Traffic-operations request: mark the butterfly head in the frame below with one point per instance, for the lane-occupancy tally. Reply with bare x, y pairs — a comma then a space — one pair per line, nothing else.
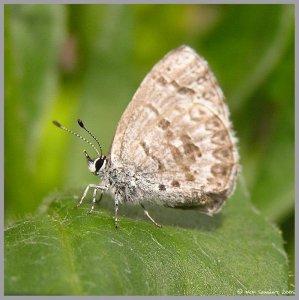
97, 165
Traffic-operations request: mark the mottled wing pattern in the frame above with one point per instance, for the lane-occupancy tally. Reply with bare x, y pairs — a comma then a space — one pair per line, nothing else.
176, 132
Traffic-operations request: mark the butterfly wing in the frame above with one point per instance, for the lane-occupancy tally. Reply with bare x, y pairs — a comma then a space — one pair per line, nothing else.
176, 132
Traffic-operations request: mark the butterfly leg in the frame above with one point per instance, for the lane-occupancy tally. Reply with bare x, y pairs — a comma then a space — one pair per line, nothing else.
94, 186
116, 213
148, 215
93, 200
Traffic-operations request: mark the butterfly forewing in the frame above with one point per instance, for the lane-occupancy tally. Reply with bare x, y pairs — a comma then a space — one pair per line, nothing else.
176, 132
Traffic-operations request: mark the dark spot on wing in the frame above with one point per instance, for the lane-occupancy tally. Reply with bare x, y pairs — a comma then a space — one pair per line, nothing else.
185, 91
152, 156
223, 153
164, 124
161, 80
189, 177
169, 134
220, 169
213, 124
176, 154
145, 147
190, 149
162, 187
175, 183
220, 137
152, 108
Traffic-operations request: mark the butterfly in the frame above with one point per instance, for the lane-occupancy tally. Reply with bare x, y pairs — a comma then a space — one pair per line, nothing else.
174, 144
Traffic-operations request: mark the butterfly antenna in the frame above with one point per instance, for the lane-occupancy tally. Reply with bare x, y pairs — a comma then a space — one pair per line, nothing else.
77, 135
82, 125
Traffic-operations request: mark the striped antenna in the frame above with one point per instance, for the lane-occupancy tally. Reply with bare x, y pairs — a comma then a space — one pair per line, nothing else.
82, 125
77, 135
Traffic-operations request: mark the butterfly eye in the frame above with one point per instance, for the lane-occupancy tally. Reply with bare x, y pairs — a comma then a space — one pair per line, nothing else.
100, 164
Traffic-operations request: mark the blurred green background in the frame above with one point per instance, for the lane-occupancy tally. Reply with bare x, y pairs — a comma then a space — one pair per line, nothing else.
68, 61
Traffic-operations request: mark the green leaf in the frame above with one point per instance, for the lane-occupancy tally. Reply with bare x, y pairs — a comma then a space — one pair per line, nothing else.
64, 251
